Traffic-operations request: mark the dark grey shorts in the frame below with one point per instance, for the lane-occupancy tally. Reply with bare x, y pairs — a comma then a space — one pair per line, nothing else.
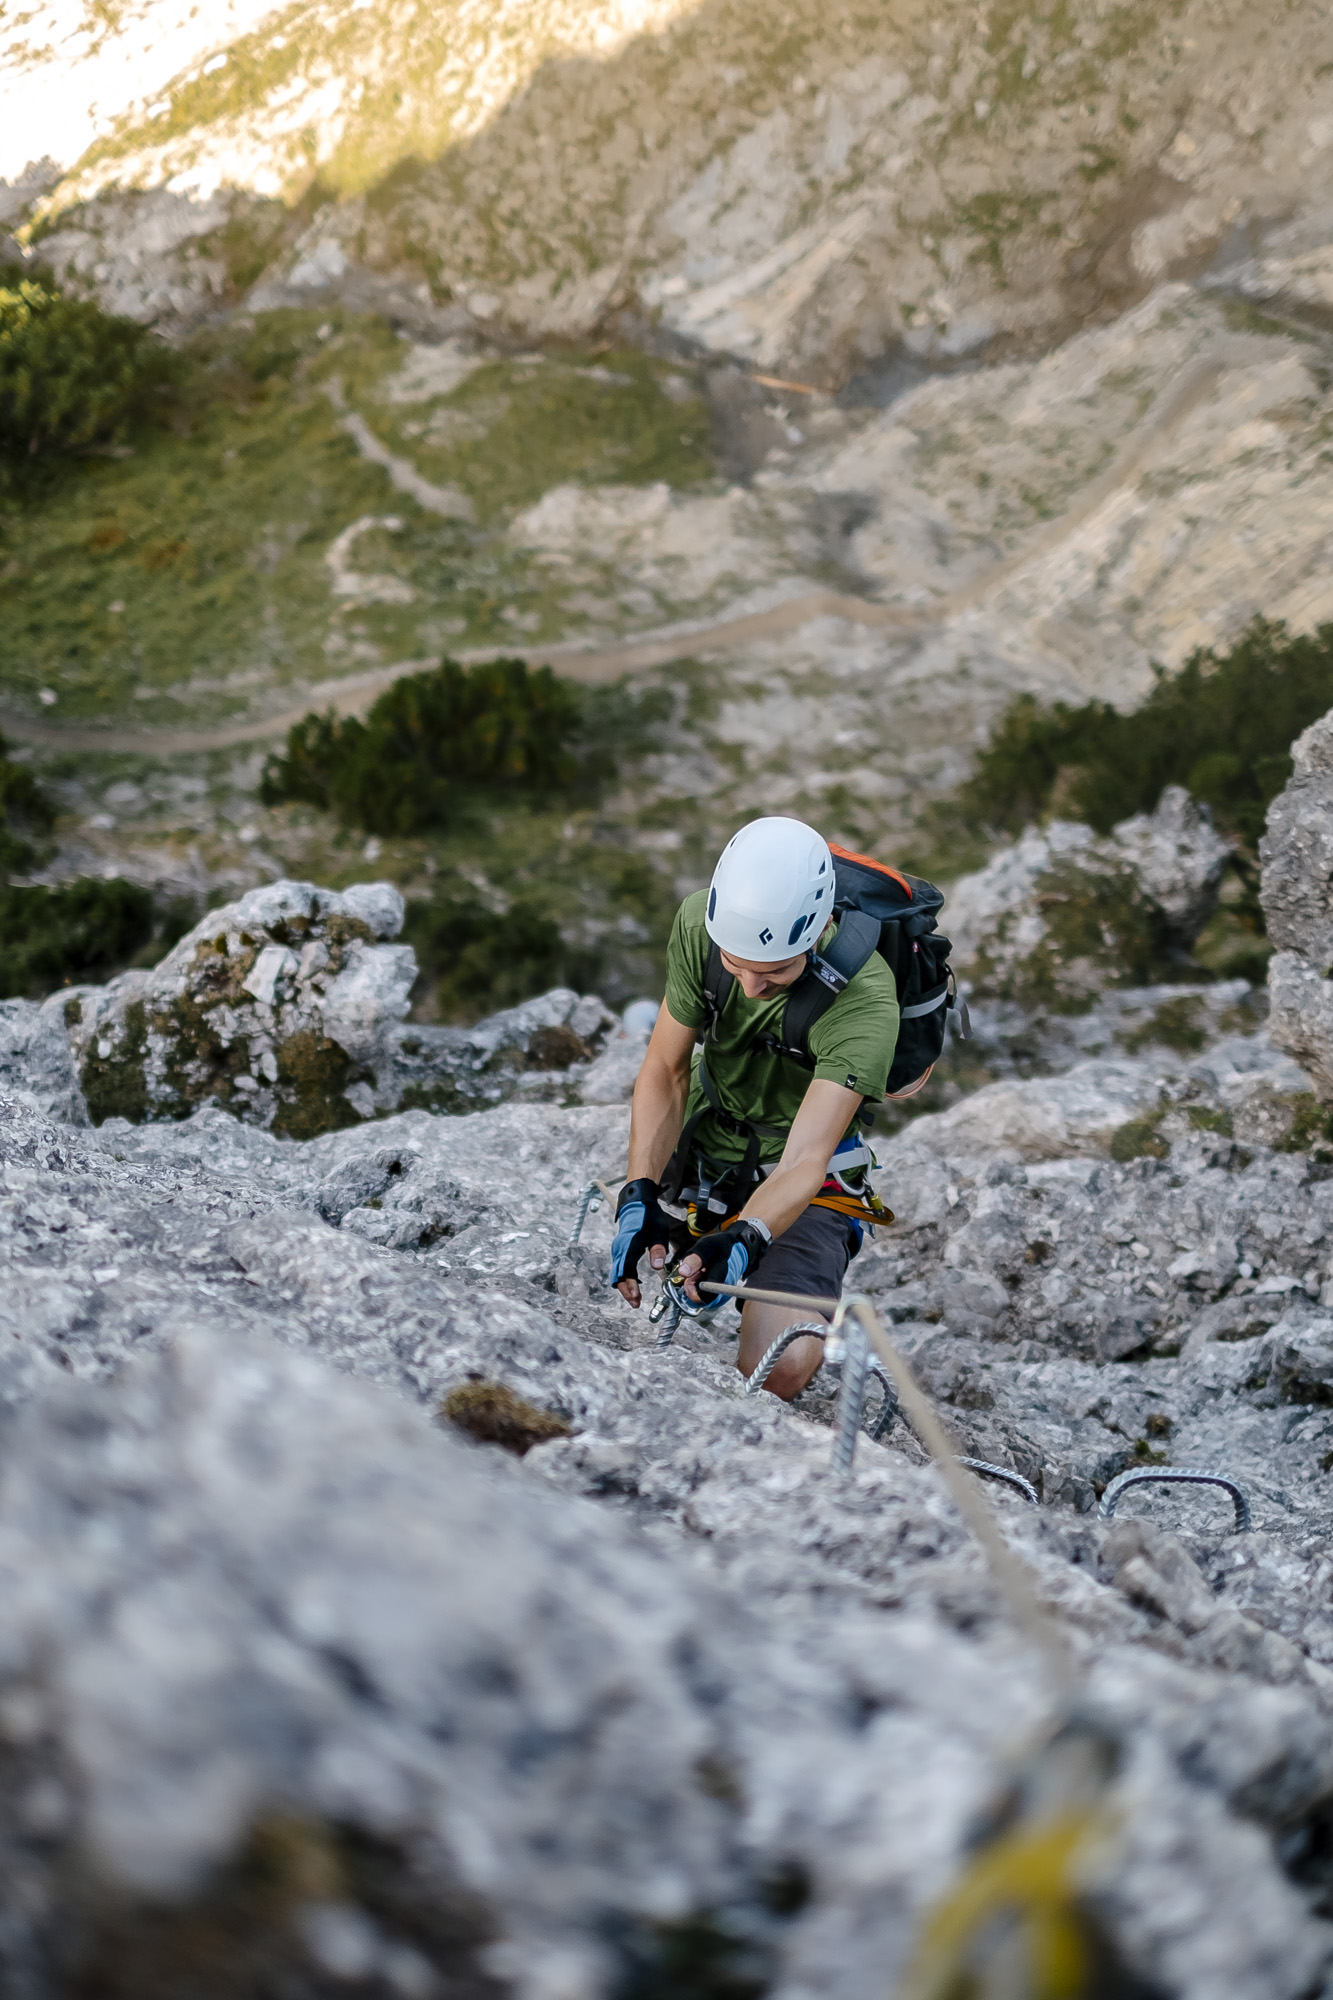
811, 1257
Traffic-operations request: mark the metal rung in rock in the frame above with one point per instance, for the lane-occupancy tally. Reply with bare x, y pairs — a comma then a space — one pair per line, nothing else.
1177, 1475
1014, 1479
888, 1405
589, 1202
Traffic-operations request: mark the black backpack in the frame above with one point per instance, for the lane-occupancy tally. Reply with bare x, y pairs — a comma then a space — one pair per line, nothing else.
879, 910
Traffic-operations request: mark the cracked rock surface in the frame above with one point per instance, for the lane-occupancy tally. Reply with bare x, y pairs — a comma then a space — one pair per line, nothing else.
304, 1680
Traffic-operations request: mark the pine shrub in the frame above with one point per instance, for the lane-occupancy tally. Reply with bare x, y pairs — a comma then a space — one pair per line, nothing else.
72, 377
475, 960
1221, 726
26, 815
82, 930
430, 741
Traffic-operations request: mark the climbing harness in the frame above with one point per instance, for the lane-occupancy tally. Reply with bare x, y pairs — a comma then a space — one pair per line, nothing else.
1177, 1475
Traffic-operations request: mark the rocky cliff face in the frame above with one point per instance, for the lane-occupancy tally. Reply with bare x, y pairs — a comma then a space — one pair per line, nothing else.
303, 1681
802, 193
1297, 854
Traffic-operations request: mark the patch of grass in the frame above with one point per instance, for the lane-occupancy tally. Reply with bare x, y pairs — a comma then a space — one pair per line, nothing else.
994, 217
178, 581
82, 931
1140, 1139
493, 1414
1311, 1129
575, 418
1101, 930
1221, 726
1204, 1120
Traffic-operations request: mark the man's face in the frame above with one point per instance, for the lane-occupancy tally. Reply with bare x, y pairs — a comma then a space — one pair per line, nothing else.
761, 982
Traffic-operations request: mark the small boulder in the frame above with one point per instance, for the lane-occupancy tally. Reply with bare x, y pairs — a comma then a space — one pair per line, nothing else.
1064, 914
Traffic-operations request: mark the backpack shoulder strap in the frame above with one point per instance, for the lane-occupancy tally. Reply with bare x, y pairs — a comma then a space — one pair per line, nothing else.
825, 978
718, 983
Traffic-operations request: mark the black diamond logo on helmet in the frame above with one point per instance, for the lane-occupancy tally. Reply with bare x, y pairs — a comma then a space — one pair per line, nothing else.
765, 937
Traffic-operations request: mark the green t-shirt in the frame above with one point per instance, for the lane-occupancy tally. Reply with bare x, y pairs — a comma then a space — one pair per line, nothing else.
852, 1043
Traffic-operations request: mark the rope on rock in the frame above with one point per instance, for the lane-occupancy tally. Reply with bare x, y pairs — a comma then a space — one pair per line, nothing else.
1010, 1573
1177, 1475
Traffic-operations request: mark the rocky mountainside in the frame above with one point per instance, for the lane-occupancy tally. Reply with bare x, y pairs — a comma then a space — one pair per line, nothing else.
307, 1683
802, 191
848, 369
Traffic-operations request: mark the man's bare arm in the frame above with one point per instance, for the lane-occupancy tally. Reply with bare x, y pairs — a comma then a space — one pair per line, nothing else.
827, 1109
659, 1097
658, 1114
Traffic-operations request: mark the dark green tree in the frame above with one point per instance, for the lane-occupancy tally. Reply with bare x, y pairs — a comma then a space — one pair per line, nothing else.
26, 815
474, 961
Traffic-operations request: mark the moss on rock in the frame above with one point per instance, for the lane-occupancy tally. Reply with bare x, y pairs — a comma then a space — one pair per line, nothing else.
1101, 930
493, 1414
1139, 1139
199, 1066
313, 1074
115, 1085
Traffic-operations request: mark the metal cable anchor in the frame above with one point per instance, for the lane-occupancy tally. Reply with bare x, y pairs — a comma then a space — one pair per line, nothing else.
1177, 1475
589, 1202
859, 1365
819, 1329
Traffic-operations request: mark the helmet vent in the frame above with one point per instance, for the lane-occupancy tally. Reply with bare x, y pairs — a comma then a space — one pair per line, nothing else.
712, 904
801, 924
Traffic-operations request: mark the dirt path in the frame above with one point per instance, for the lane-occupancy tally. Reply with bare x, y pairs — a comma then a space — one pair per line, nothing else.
579, 662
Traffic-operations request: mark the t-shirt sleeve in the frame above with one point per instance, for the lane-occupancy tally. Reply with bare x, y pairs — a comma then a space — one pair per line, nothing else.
687, 956
853, 1043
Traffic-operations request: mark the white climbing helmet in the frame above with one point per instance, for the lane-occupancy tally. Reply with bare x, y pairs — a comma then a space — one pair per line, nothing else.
772, 891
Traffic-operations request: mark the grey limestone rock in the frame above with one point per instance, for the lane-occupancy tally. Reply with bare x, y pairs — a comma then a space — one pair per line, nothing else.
1178, 857
489, 1726
1064, 914
1297, 893
494, 1725
36, 1060
288, 1009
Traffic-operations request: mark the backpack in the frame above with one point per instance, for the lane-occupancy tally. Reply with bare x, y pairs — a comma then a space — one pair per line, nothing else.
880, 910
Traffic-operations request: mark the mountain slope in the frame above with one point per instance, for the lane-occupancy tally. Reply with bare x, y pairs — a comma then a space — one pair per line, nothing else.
803, 188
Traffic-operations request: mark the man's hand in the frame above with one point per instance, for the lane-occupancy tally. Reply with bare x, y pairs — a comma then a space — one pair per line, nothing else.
641, 1227
724, 1258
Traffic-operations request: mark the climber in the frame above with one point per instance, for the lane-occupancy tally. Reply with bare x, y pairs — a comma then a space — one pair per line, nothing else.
765, 1153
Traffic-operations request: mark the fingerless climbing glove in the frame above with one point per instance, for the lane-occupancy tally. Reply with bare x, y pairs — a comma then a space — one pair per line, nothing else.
728, 1255
640, 1224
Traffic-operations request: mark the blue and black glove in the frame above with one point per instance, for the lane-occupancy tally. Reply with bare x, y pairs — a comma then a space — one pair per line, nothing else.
640, 1225
728, 1255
